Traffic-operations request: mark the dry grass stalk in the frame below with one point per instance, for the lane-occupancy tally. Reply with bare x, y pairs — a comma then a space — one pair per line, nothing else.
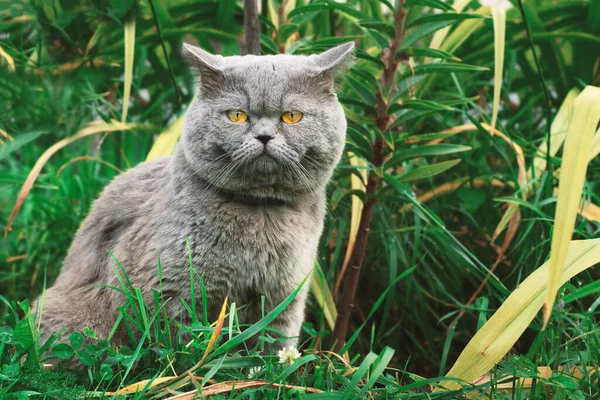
91, 129
229, 386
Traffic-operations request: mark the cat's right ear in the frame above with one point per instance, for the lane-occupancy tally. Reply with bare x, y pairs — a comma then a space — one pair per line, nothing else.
208, 65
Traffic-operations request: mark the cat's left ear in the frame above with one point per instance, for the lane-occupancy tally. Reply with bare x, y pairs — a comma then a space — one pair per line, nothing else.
334, 59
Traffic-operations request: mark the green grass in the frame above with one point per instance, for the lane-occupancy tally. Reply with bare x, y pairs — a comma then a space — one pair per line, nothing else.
423, 262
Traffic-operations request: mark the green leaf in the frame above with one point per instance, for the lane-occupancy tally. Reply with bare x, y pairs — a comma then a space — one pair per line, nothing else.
423, 151
427, 52
348, 100
425, 171
574, 36
418, 32
379, 26
267, 44
363, 90
327, 43
297, 364
309, 8
76, 340
450, 17
23, 332
387, 4
381, 363
349, 10
381, 40
360, 53
236, 363
11, 146
367, 77
63, 351
425, 137
444, 68
285, 31
358, 375
426, 105
405, 84
439, 4
260, 325
330, 5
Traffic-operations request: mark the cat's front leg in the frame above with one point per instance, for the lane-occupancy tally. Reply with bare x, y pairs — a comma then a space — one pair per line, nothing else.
289, 322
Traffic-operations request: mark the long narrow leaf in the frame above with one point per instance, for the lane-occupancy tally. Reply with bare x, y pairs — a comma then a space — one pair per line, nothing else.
129, 52
92, 129
167, 140
499, 16
504, 328
586, 114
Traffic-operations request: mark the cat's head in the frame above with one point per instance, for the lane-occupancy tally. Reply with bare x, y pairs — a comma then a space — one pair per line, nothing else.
265, 126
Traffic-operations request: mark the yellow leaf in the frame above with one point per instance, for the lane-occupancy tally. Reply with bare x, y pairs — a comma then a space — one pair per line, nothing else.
8, 58
440, 35
499, 17
320, 289
502, 330
586, 114
356, 184
463, 31
595, 148
217, 331
139, 386
94, 39
129, 52
523, 385
558, 131
91, 129
590, 211
166, 141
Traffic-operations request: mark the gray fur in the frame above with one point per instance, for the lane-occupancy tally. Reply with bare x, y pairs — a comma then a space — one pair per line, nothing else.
252, 213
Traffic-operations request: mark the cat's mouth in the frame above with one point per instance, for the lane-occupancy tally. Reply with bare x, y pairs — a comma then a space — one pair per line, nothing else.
258, 201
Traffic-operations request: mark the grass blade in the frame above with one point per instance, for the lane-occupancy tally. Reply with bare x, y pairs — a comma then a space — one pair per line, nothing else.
320, 289
440, 35
499, 17
586, 114
217, 331
167, 140
91, 129
129, 53
502, 330
357, 183
15, 144
8, 58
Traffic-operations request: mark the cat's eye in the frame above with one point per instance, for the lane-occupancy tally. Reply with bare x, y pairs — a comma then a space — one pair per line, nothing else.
291, 117
237, 116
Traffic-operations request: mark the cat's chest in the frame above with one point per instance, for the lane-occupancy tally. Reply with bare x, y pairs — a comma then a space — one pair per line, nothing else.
259, 246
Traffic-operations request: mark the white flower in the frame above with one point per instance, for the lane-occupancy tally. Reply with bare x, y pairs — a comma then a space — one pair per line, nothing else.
501, 4
254, 372
288, 355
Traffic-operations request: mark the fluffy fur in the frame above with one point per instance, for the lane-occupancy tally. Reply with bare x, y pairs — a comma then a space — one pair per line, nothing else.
252, 212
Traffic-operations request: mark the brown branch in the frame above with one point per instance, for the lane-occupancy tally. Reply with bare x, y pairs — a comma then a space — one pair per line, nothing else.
251, 27
357, 257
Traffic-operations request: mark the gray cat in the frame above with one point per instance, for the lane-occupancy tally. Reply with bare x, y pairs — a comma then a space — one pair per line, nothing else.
245, 186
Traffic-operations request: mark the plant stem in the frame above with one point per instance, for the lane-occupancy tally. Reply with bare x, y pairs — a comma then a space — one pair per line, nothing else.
383, 120
164, 49
251, 27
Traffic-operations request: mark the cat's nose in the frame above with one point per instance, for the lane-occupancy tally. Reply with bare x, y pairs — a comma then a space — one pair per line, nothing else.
264, 138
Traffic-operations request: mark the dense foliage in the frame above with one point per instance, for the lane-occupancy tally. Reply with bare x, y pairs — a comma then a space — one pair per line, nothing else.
437, 182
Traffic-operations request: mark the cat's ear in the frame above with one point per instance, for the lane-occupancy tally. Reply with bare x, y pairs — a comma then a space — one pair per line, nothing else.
208, 65
334, 59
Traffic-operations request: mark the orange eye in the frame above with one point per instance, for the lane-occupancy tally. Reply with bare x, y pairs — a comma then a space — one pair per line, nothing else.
291, 117
237, 116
